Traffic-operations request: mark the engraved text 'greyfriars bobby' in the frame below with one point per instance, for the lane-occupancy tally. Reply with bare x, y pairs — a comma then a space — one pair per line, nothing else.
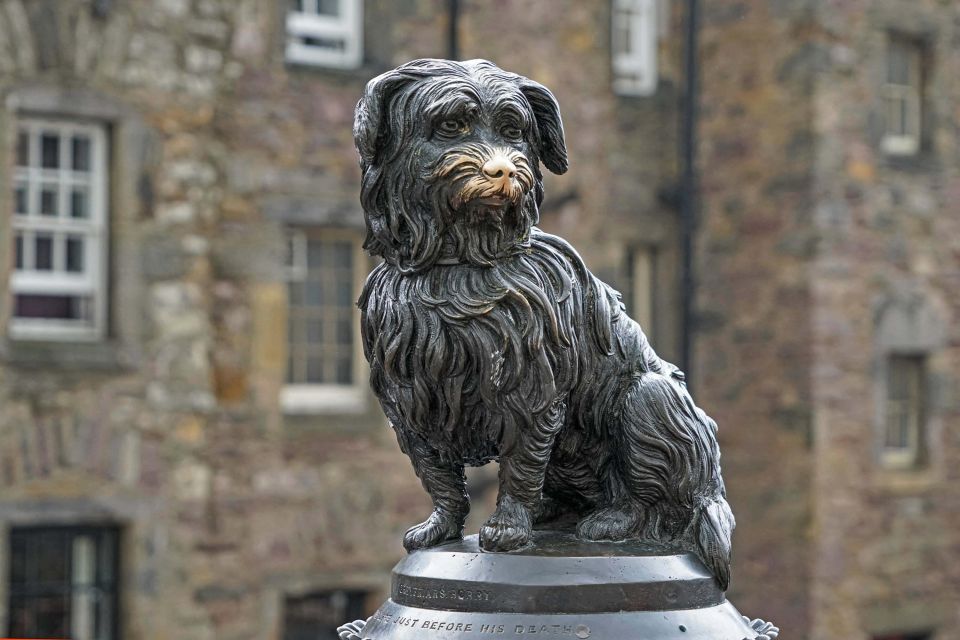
489, 339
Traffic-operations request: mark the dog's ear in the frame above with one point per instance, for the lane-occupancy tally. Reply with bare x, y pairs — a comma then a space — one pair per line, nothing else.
553, 149
369, 128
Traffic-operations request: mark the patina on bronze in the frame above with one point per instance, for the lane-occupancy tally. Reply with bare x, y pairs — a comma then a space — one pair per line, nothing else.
489, 339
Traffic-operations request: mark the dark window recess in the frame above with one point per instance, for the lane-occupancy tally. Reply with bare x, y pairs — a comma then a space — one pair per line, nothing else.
906, 636
316, 616
63, 583
52, 307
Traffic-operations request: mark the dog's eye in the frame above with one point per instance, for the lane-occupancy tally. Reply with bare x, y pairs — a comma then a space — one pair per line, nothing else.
451, 127
511, 133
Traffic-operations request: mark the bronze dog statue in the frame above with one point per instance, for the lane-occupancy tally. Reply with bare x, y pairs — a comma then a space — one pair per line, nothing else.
489, 339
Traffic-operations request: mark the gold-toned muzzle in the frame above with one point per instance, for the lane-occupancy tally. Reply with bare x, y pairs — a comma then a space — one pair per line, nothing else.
488, 175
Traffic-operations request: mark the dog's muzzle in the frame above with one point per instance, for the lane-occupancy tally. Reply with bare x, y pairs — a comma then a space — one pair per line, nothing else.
478, 174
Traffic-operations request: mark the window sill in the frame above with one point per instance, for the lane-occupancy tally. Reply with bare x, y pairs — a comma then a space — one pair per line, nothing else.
65, 356
313, 399
890, 479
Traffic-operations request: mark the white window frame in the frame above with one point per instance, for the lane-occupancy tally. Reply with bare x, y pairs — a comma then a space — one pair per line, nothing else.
906, 98
635, 72
94, 230
346, 27
328, 398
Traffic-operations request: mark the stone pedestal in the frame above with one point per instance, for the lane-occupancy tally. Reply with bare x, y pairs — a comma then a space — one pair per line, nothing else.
559, 587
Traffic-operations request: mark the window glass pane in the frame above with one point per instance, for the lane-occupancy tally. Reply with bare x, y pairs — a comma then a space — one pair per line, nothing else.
48, 200
296, 293
107, 556
328, 7
621, 35
901, 56
345, 331
344, 370
314, 370
292, 375
53, 558
342, 253
74, 251
20, 551
314, 293
345, 293
79, 207
50, 150
53, 307
23, 149
315, 254
39, 617
18, 251
20, 203
43, 252
80, 156
334, 44
295, 327
315, 330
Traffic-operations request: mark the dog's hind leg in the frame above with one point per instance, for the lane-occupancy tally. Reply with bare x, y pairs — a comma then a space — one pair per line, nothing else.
447, 485
523, 464
637, 477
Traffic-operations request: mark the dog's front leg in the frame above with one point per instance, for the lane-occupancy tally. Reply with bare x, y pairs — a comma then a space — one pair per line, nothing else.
523, 465
447, 486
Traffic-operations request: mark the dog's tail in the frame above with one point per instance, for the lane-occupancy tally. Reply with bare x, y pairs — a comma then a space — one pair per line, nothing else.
712, 528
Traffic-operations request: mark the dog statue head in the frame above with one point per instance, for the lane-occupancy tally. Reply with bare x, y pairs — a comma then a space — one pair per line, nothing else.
450, 154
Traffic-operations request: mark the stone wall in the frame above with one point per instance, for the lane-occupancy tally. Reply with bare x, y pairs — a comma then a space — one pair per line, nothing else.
885, 557
753, 354
172, 427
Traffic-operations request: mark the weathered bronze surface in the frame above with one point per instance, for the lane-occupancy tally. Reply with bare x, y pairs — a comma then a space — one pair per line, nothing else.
489, 339
556, 587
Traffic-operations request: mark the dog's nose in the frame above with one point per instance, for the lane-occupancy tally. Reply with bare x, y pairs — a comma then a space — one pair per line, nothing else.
499, 168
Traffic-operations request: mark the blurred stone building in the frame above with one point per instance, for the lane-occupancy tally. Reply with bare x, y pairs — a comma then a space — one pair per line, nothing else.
187, 445
828, 346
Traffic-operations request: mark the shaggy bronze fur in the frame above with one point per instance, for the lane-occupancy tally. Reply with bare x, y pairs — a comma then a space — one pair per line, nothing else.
489, 339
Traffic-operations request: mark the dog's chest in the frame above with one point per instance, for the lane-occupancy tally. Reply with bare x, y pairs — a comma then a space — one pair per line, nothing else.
461, 350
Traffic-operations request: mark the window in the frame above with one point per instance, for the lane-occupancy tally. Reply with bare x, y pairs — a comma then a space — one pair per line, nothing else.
903, 97
316, 616
326, 33
905, 636
634, 47
60, 231
905, 411
63, 583
642, 267
323, 363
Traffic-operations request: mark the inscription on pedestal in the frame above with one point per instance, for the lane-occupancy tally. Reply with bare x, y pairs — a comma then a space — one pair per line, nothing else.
442, 592
580, 631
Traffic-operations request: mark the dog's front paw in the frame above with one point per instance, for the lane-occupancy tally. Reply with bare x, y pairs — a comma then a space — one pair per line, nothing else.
439, 527
610, 523
510, 527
